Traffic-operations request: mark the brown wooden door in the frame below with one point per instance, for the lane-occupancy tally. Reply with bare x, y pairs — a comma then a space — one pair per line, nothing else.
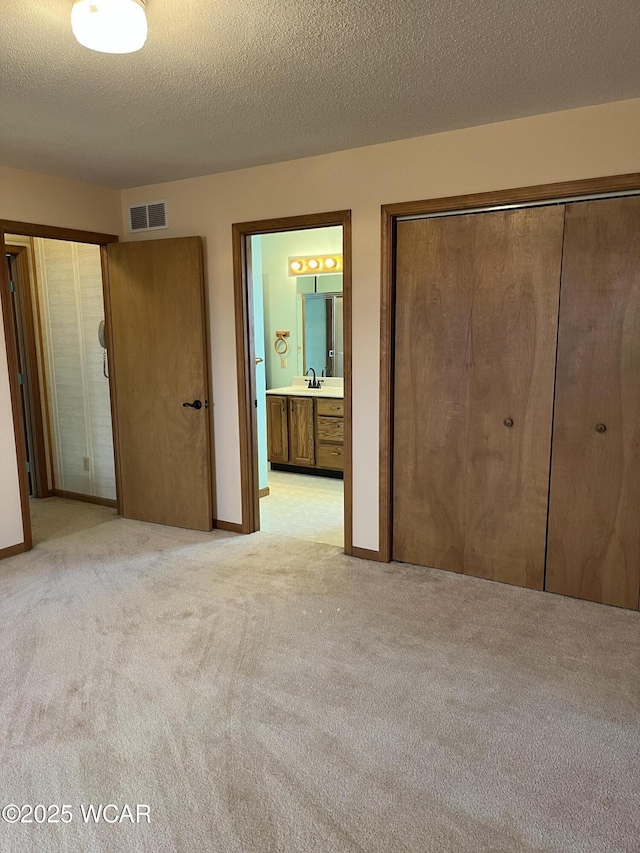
594, 519
517, 262
301, 441
277, 431
476, 309
434, 283
158, 362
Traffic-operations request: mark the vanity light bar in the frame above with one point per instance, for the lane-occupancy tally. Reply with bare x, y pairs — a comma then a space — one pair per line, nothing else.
315, 264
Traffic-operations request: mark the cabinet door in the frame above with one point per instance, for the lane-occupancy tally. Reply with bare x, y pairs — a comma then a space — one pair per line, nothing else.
277, 431
301, 442
594, 527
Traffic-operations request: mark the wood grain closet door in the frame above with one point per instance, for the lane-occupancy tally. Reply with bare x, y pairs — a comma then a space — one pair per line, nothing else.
434, 283
512, 350
594, 521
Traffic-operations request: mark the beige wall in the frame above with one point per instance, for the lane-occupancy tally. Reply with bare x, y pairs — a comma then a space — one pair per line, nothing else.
29, 197
582, 143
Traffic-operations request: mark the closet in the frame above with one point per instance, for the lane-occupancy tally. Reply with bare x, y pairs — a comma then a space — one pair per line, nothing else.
516, 417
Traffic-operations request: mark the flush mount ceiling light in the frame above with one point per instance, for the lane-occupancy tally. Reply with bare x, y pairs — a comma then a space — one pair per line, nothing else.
110, 26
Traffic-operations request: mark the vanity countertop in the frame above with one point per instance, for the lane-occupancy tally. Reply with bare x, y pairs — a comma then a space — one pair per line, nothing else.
331, 387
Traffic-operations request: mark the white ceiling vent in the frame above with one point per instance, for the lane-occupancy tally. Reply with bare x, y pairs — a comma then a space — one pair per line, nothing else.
148, 217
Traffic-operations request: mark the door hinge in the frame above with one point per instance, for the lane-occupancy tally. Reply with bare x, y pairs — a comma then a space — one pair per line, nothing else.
21, 379
255, 404
28, 467
12, 287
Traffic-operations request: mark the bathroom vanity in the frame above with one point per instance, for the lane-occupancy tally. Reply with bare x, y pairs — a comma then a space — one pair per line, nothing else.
305, 426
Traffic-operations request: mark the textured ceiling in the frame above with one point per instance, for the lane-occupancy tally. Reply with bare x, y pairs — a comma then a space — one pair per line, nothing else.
223, 84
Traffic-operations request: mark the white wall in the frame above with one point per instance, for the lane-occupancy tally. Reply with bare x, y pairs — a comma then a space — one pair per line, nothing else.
43, 200
583, 143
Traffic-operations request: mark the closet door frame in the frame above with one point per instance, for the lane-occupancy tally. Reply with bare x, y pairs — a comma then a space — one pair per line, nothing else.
615, 185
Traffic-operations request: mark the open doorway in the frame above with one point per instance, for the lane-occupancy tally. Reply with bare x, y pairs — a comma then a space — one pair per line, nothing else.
56, 304
153, 381
293, 300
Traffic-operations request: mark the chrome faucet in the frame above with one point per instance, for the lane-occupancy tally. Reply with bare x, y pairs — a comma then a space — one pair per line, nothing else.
313, 383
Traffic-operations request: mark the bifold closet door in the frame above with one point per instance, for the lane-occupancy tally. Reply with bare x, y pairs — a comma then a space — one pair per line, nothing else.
594, 513
514, 326
434, 292
476, 324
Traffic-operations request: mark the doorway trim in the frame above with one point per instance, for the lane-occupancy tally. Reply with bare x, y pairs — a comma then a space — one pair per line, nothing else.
29, 229
245, 357
390, 214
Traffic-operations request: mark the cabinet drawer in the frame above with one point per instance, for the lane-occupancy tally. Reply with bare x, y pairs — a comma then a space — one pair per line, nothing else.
330, 408
330, 429
330, 456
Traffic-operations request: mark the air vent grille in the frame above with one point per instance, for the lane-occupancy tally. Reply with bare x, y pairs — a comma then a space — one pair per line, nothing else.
148, 217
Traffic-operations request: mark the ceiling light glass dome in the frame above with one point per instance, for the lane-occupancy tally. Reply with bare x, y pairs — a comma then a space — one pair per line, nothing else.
110, 26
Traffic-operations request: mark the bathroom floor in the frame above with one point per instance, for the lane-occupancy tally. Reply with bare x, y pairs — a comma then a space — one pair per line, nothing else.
305, 507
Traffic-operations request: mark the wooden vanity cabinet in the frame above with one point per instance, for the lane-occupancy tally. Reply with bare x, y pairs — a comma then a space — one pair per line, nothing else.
305, 431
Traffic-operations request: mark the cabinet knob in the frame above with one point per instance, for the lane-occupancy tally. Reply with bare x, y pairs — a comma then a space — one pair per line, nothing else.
601, 428
508, 423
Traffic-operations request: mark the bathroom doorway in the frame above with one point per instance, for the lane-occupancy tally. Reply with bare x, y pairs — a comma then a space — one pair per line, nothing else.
293, 327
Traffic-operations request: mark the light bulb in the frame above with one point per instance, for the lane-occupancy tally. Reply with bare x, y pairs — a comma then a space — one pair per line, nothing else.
313, 264
296, 266
329, 263
110, 26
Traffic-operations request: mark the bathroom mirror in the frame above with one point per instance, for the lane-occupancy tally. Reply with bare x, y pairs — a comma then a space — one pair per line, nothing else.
322, 333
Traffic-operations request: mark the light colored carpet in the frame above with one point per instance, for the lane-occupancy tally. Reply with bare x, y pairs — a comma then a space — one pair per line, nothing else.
304, 506
268, 694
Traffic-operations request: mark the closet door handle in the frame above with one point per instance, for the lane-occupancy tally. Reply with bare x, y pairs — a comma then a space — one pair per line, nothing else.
601, 428
197, 404
508, 423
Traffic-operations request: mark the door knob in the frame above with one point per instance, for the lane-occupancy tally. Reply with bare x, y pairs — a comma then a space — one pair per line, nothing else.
197, 404
508, 423
601, 428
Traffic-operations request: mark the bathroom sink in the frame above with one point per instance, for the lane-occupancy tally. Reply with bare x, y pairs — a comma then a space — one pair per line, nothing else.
304, 391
